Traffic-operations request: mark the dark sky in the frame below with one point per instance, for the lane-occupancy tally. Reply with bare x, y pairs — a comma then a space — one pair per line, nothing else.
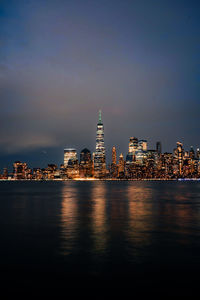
61, 61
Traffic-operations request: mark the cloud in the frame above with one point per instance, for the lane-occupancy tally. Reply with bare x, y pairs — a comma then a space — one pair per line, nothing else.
12, 144
60, 62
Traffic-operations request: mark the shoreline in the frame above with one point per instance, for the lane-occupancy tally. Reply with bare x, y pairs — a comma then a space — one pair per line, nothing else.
108, 179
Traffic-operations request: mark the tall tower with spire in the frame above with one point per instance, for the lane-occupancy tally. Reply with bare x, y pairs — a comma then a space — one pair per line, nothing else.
100, 157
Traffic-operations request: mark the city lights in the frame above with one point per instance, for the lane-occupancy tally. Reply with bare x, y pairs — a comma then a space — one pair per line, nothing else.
140, 163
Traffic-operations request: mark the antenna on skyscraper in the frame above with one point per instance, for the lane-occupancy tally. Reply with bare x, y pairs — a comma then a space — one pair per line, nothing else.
100, 116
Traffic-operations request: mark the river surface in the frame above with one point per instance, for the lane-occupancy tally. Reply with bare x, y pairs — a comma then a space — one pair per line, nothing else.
140, 234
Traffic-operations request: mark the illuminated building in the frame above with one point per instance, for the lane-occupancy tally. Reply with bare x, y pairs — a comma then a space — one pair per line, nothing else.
178, 159
63, 172
85, 168
85, 156
37, 174
29, 173
198, 153
136, 158
99, 157
140, 156
151, 163
114, 156
179, 154
168, 165
186, 155
69, 154
133, 145
192, 153
72, 169
19, 170
130, 158
121, 166
51, 170
114, 167
141, 153
5, 173
132, 148
142, 144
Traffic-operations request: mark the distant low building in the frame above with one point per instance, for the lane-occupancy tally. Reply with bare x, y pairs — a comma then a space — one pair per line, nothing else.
20, 170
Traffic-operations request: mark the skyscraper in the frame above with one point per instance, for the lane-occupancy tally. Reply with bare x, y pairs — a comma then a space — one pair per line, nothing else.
133, 145
142, 144
100, 157
121, 166
198, 153
85, 167
114, 156
179, 154
192, 153
69, 154
114, 166
158, 148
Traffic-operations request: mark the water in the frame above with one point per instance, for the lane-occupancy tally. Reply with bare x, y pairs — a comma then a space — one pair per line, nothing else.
117, 234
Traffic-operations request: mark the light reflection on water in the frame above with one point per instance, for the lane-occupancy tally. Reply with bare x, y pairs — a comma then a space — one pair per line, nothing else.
101, 228
68, 218
99, 217
140, 215
109, 218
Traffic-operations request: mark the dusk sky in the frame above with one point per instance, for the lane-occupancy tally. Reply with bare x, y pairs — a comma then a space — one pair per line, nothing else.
61, 61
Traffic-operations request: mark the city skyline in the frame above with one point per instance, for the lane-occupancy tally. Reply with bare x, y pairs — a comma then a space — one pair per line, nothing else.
99, 153
139, 163
137, 60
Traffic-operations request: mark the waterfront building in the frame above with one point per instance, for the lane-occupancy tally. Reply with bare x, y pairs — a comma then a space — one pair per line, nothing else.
63, 171
114, 166
5, 173
37, 174
72, 169
86, 165
51, 170
121, 167
179, 156
100, 157
114, 155
151, 163
19, 170
69, 154
29, 174
85, 156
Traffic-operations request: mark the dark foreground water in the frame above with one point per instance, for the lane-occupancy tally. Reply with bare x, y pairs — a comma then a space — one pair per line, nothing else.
138, 235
